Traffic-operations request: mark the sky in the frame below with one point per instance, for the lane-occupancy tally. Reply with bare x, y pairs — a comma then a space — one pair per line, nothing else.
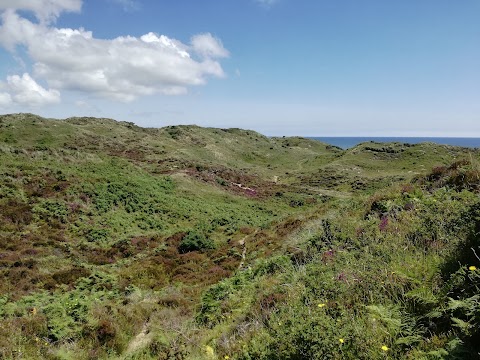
280, 67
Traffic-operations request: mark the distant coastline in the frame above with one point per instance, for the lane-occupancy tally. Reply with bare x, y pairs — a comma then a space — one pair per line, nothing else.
349, 142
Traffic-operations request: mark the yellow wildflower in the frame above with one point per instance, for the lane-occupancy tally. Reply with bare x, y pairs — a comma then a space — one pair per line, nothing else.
209, 350
385, 348
34, 311
321, 305
472, 268
226, 357
341, 341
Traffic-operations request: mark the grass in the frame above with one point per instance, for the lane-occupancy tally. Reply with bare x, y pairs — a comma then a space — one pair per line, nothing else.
197, 243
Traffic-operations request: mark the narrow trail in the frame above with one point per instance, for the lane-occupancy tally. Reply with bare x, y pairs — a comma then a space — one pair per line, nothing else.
243, 244
138, 342
328, 192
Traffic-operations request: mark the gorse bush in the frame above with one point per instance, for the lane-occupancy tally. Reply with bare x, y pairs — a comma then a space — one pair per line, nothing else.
98, 235
131, 196
195, 241
51, 210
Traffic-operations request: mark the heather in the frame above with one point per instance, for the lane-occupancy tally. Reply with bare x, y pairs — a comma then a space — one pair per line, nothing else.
197, 243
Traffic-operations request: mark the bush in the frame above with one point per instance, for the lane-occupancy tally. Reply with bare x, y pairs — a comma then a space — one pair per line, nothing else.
195, 241
97, 235
51, 210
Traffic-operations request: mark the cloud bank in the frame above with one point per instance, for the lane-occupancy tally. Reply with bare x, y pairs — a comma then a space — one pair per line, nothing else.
44, 10
123, 68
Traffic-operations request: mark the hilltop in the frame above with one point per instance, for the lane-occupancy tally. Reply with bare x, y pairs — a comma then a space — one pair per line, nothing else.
183, 242
294, 160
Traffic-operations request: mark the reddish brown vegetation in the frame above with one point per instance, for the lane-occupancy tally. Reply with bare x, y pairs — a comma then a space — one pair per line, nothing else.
460, 175
235, 181
170, 266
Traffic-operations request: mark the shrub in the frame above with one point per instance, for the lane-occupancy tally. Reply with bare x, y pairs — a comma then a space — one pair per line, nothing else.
222, 182
16, 212
69, 276
51, 210
97, 235
195, 241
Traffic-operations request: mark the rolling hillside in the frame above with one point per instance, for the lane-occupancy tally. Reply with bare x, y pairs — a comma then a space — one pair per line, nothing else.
184, 242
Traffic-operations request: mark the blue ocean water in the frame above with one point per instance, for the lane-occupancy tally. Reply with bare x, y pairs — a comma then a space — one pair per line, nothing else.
348, 142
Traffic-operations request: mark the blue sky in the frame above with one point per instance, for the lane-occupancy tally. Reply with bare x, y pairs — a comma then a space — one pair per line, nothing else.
284, 67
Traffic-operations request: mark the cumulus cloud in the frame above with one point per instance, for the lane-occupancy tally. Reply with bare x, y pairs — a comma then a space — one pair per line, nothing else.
123, 68
5, 99
44, 10
24, 90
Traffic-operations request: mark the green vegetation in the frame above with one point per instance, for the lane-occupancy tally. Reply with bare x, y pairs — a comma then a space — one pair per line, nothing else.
118, 242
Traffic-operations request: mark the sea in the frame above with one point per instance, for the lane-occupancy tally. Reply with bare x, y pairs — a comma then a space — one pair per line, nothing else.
349, 142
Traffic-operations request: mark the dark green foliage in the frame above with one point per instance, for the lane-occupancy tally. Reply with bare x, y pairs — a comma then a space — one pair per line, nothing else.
222, 182
272, 265
195, 241
52, 211
133, 197
97, 235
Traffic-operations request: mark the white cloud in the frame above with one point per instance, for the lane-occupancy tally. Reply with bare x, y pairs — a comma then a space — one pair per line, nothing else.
5, 99
44, 10
208, 46
123, 68
27, 92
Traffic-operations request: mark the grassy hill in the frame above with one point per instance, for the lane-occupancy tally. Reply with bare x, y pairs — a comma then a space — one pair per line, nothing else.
184, 242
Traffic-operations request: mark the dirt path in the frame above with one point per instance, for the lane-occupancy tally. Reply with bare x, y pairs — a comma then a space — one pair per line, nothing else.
243, 244
328, 192
141, 340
